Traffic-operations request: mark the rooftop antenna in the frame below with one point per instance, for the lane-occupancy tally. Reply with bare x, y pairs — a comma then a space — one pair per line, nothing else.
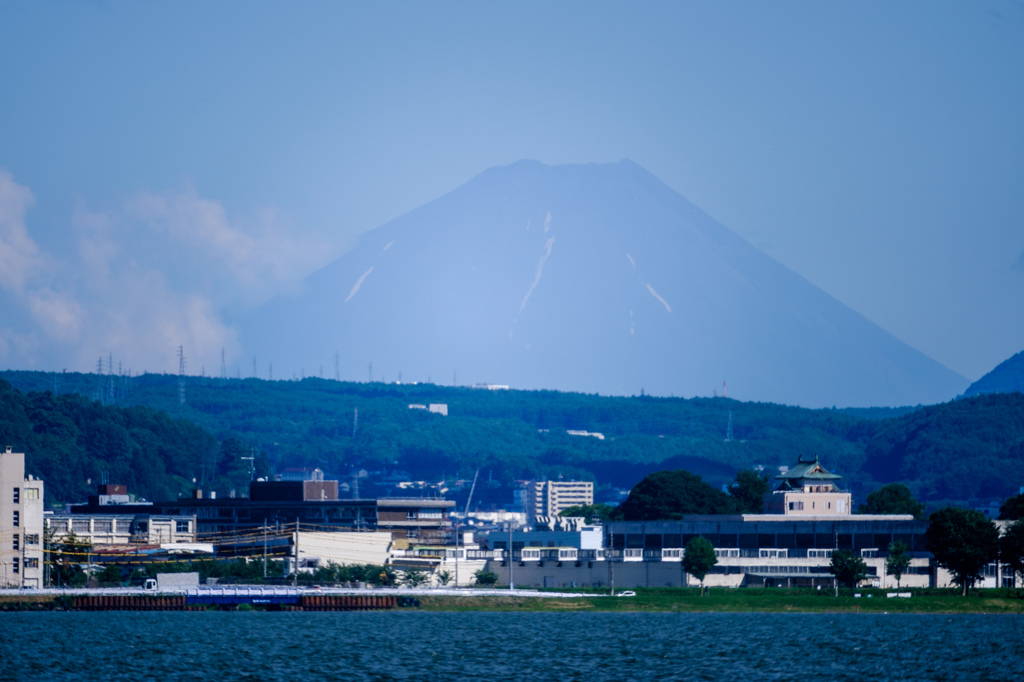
181, 375
99, 380
458, 526
252, 462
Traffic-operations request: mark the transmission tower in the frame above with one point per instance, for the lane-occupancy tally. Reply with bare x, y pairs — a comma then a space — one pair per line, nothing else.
728, 429
254, 367
223, 365
371, 372
181, 375
355, 421
270, 370
337, 366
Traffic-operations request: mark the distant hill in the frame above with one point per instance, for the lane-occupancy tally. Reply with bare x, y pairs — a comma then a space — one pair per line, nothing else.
594, 278
70, 442
966, 448
508, 434
951, 451
1007, 377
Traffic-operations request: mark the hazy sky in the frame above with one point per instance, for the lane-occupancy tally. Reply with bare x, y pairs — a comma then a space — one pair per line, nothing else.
165, 165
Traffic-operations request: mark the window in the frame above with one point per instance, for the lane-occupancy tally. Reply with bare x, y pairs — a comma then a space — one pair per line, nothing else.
16, 545
17, 519
31, 539
181, 527
32, 563
80, 526
17, 495
15, 565
143, 527
31, 493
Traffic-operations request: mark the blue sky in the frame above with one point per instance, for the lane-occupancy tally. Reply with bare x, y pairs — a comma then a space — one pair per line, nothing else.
165, 166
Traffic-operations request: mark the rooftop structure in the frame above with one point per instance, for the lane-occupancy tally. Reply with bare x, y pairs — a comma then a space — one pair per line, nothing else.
808, 489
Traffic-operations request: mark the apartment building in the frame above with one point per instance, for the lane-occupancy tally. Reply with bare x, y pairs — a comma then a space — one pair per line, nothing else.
549, 498
21, 523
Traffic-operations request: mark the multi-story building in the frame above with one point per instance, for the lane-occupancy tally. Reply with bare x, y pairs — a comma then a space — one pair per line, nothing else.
109, 529
21, 523
549, 498
808, 489
312, 504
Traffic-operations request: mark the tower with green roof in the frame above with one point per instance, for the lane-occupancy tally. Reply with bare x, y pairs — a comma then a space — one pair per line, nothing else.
808, 489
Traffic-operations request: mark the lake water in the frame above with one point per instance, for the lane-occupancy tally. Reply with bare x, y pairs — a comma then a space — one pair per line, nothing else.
505, 646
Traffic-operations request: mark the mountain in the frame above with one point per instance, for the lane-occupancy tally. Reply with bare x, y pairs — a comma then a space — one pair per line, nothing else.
593, 278
1007, 377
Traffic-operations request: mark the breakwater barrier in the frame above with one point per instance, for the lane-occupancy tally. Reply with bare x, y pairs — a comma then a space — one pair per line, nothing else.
224, 599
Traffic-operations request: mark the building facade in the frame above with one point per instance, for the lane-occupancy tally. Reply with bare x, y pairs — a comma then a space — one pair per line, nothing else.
808, 490
21, 523
549, 498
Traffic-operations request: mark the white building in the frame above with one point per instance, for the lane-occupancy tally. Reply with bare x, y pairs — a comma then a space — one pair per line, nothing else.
21, 523
549, 498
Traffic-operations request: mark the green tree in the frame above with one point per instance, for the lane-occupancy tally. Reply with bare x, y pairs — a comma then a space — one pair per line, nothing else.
666, 495
848, 568
898, 560
591, 513
962, 541
1011, 548
110, 576
67, 554
894, 498
444, 577
749, 490
485, 578
699, 558
1012, 509
414, 578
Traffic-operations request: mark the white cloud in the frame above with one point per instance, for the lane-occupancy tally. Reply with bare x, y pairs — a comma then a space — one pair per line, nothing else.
255, 256
145, 277
20, 257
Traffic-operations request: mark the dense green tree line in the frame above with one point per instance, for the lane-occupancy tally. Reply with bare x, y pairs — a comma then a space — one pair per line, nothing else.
952, 451
71, 441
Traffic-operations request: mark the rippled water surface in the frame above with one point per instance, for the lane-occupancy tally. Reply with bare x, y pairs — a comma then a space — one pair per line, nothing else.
500, 646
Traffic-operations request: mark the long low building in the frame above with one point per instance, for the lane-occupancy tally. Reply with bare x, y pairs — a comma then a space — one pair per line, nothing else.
311, 504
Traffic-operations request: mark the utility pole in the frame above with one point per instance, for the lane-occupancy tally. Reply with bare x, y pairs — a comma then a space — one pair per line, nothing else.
611, 560
511, 583
295, 581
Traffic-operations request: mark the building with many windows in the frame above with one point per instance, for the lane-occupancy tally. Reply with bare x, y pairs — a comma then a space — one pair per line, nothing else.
549, 498
21, 523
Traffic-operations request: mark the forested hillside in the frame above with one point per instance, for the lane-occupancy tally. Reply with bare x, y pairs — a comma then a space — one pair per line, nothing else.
955, 450
964, 448
507, 434
70, 441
